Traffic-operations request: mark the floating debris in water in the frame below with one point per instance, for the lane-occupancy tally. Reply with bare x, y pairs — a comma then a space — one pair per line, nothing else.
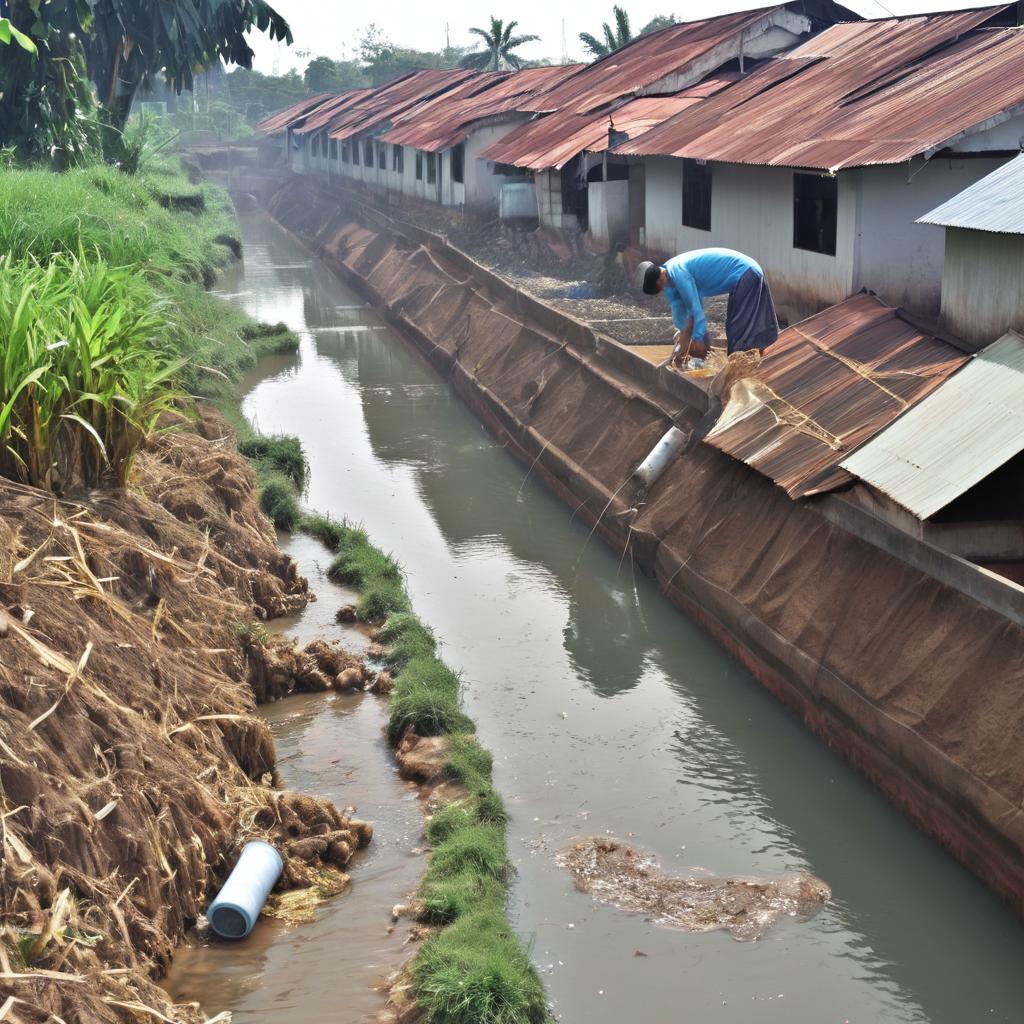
746, 907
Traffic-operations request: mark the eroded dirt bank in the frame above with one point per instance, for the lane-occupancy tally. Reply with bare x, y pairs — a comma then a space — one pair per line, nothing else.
132, 766
914, 682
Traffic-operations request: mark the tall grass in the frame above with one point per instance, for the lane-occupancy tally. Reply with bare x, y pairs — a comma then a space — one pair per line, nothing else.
126, 220
82, 376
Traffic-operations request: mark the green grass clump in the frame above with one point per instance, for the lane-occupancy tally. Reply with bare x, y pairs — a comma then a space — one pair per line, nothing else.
450, 818
431, 713
476, 848
278, 501
407, 638
445, 900
380, 599
477, 972
280, 453
328, 531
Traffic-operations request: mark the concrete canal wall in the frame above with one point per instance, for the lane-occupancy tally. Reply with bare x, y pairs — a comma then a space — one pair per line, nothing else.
906, 660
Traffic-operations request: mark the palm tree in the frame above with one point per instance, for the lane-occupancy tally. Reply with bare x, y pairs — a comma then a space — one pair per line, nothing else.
499, 44
613, 39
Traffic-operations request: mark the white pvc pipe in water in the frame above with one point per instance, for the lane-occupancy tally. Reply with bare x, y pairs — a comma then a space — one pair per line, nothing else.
233, 913
671, 444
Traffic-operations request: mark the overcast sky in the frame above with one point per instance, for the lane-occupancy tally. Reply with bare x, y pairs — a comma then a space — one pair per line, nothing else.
330, 29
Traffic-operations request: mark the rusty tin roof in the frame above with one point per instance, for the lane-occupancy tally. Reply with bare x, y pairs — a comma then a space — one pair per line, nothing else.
873, 92
627, 72
444, 121
382, 105
552, 141
296, 112
828, 385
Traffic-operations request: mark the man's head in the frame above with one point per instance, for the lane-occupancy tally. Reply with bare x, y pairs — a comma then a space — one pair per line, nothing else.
650, 277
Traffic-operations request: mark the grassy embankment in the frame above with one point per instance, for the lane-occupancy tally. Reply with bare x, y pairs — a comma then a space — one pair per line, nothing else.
475, 970
107, 323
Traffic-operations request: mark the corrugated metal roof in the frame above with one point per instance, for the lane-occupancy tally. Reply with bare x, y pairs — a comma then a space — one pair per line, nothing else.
552, 141
285, 118
325, 113
643, 62
829, 384
444, 121
958, 435
996, 203
380, 106
861, 93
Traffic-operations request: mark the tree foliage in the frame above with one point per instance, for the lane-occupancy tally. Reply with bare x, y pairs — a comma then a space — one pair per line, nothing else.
499, 47
48, 109
621, 34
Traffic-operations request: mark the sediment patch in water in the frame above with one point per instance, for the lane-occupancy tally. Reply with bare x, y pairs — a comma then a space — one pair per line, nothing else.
615, 873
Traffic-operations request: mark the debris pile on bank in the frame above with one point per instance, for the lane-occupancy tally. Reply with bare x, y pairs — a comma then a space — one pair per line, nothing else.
132, 766
746, 907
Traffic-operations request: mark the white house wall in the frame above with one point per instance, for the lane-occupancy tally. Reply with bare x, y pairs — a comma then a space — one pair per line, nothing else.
752, 212
983, 284
900, 260
608, 211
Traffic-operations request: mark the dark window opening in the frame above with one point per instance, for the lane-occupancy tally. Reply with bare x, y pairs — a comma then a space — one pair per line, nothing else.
397, 159
696, 195
368, 153
431, 168
315, 145
382, 157
334, 149
459, 163
345, 157
419, 166
815, 212
355, 153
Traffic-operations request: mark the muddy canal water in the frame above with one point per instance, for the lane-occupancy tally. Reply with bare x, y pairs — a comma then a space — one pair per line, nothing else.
609, 713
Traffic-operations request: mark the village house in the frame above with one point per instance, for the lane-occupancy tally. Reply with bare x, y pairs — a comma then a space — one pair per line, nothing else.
577, 184
820, 161
983, 271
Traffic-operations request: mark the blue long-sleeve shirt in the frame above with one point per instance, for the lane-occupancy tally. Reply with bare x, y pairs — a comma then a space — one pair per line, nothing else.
693, 276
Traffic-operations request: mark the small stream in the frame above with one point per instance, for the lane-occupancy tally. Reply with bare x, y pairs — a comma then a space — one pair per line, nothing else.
608, 712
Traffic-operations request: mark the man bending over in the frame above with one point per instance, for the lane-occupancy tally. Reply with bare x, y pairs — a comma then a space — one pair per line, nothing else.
689, 278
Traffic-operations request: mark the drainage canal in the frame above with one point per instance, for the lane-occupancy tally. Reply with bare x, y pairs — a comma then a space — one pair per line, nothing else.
609, 715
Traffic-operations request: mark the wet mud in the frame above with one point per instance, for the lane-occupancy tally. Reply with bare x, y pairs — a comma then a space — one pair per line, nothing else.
631, 880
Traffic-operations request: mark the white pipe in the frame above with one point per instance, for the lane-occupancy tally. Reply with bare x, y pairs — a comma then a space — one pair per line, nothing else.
671, 444
233, 913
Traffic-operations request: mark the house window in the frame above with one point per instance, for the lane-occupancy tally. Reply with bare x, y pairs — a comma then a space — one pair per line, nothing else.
382, 156
345, 155
431, 168
815, 212
334, 149
368, 153
419, 165
398, 159
697, 195
458, 163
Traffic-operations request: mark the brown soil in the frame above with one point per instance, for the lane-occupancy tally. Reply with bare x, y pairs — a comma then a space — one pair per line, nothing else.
746, 907
132, 767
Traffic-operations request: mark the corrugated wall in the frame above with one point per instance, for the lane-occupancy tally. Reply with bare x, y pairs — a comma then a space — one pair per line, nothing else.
983, 284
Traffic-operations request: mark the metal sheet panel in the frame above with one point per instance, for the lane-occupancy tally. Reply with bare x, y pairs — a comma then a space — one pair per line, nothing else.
552, 141
829, 384
863, 93
444, 121
958, 435
381, 105
284, 119
645, 61
996, 203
